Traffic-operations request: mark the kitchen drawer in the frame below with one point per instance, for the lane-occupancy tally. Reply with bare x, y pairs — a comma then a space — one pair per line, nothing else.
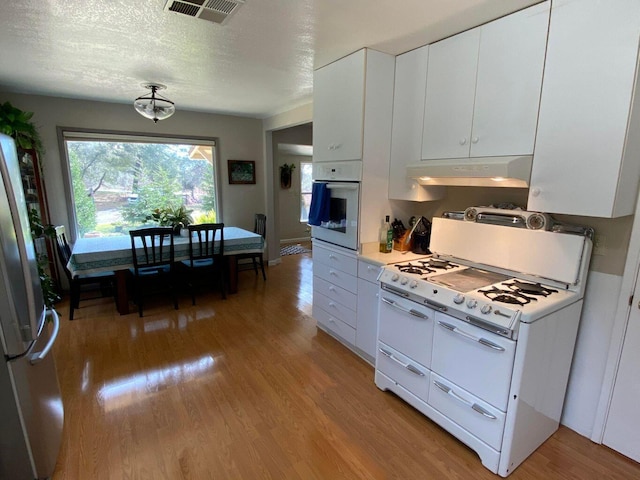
368, 271
334, 325
473, 358
336, 276
335, 309
406, 332
338, 294
477, 417
404, 371
344, 262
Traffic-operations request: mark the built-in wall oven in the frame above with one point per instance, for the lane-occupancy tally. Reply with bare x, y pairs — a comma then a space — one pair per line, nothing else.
335, 202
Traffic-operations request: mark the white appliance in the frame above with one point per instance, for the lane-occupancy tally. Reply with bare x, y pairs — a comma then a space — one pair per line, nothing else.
342, 181
31, 413
480, 337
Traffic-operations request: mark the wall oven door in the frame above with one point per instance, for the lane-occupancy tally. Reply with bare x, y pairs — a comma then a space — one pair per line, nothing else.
342, 226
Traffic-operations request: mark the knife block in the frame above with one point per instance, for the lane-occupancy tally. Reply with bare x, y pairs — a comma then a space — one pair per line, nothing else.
401, 244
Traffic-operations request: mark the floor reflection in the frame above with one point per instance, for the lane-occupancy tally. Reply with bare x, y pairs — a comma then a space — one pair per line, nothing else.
122, 392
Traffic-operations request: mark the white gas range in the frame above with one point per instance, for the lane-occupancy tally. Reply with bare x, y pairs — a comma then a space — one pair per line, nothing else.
480, 337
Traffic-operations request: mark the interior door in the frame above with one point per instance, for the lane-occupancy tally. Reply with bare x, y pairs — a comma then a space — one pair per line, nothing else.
622, 430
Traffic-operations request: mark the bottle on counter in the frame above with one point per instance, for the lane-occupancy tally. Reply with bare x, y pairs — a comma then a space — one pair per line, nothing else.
386, 236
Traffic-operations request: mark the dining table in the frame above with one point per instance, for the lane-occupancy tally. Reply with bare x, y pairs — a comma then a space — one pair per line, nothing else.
113, 253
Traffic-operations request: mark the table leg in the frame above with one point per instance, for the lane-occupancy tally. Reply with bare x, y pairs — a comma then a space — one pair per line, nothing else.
232, 269
122, 301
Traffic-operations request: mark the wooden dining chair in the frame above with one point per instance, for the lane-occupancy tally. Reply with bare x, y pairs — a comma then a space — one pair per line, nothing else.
153, 271
259, 227
104, 282
206, 259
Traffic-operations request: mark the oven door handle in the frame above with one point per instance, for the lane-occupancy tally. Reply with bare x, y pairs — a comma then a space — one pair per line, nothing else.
408, 366
474, 406
342, 186
410, 311
480, 340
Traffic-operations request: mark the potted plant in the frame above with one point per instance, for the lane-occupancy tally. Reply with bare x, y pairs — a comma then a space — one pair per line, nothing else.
285, 175
177, 218
38, 230
17, 124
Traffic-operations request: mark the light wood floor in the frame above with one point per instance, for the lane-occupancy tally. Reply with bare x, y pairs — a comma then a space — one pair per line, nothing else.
247, 388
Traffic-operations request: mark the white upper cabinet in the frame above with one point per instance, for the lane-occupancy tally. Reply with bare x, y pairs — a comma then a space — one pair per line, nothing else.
451, 81
406, 132
483, 88
587, 153
338, 109
512, 52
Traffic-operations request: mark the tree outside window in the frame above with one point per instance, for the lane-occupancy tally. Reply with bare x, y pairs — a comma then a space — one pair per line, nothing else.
306, 184
116, 185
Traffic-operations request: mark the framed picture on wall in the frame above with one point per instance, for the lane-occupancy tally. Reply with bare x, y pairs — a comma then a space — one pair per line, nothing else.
241, 172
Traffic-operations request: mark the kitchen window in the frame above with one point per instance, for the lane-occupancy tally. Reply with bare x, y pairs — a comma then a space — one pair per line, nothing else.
306, 184
116, 181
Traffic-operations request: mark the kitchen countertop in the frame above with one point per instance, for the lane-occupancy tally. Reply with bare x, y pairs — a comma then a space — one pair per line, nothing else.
371, 254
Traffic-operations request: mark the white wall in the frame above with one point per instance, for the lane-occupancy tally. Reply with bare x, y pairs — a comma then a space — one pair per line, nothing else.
238, 138
591, 353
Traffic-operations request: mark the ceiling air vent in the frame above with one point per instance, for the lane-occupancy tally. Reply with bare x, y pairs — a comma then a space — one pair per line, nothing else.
216, 11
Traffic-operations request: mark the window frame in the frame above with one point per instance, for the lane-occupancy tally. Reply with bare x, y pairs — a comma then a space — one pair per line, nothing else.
302, 162
70, 133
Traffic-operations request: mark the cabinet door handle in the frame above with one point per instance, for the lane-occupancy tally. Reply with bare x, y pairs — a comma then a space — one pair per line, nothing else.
332, 304
482, 411
332, 256
332, 272
463, 141
475, 140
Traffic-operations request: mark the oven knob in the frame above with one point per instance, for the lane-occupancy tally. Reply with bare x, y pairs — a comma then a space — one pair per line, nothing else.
472, 303
486, 309
395, 277
413, 284
404, 280
458, 299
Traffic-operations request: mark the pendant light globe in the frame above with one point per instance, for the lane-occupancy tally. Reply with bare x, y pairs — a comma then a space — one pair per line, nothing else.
154, 106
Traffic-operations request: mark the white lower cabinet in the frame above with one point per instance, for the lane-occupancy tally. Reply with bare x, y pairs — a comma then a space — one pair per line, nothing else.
345, 297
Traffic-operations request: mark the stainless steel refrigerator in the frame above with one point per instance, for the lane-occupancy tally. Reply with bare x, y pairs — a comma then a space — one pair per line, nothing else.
31, 413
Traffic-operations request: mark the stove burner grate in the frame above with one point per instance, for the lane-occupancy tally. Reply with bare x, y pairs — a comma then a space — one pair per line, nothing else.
507, 296
520, 286
439, 264
417, 269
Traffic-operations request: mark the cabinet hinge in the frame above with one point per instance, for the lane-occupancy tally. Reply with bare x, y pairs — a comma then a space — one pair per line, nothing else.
630, 300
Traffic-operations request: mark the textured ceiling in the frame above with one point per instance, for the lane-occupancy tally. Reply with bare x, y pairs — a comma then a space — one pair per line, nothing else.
258, 64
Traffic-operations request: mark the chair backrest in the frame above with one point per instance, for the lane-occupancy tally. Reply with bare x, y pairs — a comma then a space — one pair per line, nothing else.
202, 241
260, 225
63, 248
152, 247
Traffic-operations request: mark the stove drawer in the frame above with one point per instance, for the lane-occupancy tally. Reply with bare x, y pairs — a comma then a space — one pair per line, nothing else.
335, 293
473, 358
335, 309
477, 417
404, 371
334, 325
406, 326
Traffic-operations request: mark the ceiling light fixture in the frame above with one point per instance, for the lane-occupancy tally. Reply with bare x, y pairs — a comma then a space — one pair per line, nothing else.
154, 106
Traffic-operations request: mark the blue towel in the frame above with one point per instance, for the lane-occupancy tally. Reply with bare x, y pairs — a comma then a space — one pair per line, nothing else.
320, 204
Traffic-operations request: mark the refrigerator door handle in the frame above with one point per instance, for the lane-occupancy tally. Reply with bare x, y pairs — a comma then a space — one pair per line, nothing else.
39, 356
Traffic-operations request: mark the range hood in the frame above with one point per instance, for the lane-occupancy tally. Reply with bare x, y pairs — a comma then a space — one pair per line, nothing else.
512, 171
